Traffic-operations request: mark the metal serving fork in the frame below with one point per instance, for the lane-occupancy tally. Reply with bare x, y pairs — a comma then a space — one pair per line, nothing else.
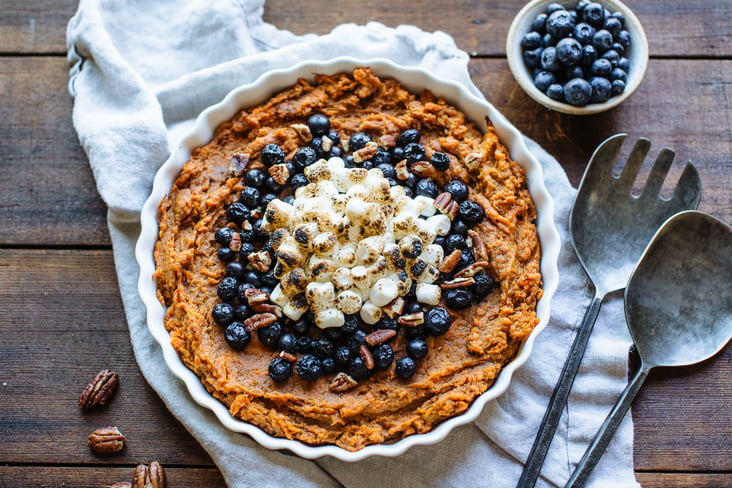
609, 230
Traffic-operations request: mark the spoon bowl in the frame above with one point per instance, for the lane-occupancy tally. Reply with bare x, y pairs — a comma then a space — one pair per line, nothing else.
678, 305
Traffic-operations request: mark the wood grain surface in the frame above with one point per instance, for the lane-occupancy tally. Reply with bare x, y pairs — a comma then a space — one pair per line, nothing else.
61, 317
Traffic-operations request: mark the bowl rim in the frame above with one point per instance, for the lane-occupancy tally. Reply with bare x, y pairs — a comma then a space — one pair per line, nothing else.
638, 58
257, 92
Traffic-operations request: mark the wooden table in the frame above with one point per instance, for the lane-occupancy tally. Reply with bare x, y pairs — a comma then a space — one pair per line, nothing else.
61, 317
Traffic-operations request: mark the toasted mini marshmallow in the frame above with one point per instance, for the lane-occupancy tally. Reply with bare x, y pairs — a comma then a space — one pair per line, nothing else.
296, 307
346, 256
357, 209
369, 249
289, 253
304, 235
383, 292
278, 297
425, 231
277, 237
429, 275
320, 296
321, 269
348, 302
318, 171
293, 282
403, 281
370, 313
411, 246
377, 270
426, 204
428, 294
360, 277
441, 224
433, 254
325, 243
278, 214
341, 278
329, 318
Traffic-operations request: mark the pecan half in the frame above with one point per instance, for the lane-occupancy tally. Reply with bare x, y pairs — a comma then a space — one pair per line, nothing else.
461, 282
412, 319
99, 390
442, 201
378, 336
106, 440
472, 270
121, 484
342, 382
255, 296
421, 167
368, 358
141, 478
479, 250
450, 261
259, 320
267, 308
156, 474
394, 308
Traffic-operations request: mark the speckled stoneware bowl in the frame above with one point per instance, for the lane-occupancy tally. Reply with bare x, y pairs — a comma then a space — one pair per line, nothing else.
637, 54
259, 91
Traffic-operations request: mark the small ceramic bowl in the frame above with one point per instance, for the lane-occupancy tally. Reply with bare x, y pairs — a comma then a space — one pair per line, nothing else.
637, 55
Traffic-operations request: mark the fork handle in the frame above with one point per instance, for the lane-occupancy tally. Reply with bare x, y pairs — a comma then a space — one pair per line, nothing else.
548, 426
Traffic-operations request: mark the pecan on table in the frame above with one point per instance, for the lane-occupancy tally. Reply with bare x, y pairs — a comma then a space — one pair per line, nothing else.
99, 390
106, 440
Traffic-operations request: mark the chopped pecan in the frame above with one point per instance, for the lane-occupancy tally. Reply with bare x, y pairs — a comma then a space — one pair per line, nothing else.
326, 143
99, 390
472, 270
473, 160
457, 283
366, 152
267, 308
235, 242
279, 173
387, 141
239, 163
255, 295
394, 308
450, 261
259, 320
366, 356
303, 131
479, 250
156, 474
342, 382
401, 169
420, 167
378, 336
106, 440
412, 319
260, 261
288, 356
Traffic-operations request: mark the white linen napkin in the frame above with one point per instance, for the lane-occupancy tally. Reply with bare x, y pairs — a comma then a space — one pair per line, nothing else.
141, 71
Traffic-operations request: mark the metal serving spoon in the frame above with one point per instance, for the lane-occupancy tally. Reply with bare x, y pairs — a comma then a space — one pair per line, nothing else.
678, 305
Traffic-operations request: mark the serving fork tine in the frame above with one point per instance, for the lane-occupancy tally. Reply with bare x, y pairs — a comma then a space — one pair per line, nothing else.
609, 229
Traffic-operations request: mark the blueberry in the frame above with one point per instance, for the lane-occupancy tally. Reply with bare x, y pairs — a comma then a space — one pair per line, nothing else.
409, 136
321, 347
602, 40
457, 189
619, 48
437, 321
405, 367
574, 72
583, 32
612, 56
223, 313
601, 67
280, 369
357, 370
355, 341
223, 235
287, 342
539, 23
455, 241
328, 365
532, 57
241, 291
268, 279
270, 335
553, 7
318, 124
458, 298
612, 25
305, 156
383, 355
427, 187
594, 14
589, 55
415, 331
271, 185
559, 23
459, 227
267, 198
227, 287
624, 64
297, 181
236, 269
620, 17
335, 334
577, 91
531, 40
255, 178
250, 197
316, 143
350, 325
466, 259
309, 367
569, 51
543, 79
483, 284
387, 169
237, 213
555, 92
342, 355
618, 74
414, 152
358, 141
246, 249
417, 348
549, 59
387, 323
549, 40
581, 5
382, 156
303, 344
242, 312
272, 154
440, 161
623, 38
471, 212
618, 87
411, 307
237, 336
300, 326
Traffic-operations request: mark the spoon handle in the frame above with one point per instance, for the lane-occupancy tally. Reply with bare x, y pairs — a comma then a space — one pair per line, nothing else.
549, 424
607, 430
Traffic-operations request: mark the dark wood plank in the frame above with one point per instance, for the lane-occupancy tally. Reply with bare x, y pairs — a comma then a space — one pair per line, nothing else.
39, 26
97, 477
61, 321
55, 334
684, 480
54, 199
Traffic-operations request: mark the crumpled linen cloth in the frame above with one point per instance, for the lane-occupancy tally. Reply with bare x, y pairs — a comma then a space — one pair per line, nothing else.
141, 71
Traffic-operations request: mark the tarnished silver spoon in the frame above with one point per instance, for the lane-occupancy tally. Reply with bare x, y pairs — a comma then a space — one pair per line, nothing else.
678, 305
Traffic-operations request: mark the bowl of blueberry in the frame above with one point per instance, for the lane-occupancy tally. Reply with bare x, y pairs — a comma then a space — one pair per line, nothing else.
578, 56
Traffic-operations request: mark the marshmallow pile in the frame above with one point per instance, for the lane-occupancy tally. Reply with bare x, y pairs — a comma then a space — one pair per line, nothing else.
352, 244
